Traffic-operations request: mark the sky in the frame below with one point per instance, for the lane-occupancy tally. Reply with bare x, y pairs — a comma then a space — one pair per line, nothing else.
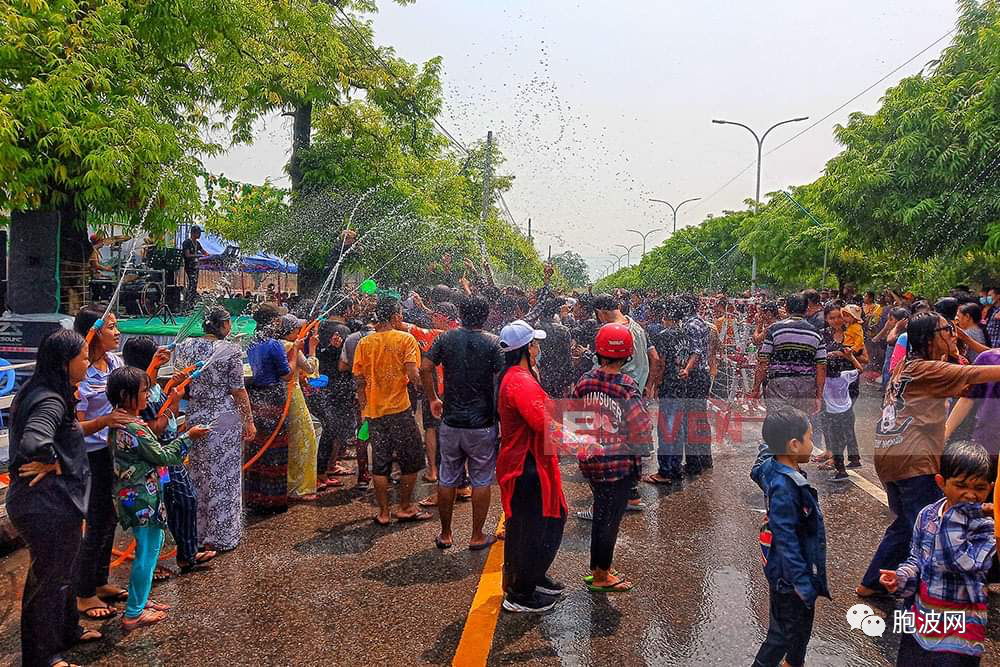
600, 106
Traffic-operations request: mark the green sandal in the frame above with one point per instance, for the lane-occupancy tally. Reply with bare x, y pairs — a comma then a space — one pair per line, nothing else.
614, 587
589, 578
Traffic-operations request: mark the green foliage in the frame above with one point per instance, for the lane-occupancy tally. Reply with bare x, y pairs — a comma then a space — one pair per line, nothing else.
573, 268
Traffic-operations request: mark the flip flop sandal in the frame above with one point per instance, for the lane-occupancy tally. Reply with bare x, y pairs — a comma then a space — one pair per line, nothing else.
441, 544
95, 636
652, 479
614, 587
147, 617
161, 574
205, 556
589, 578
112, 612
414, 518
380, 523
156, 606
339, 471
428, 502
490, 541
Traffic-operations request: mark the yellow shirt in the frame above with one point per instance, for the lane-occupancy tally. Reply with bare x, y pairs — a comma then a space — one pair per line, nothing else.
854, 337
381, 358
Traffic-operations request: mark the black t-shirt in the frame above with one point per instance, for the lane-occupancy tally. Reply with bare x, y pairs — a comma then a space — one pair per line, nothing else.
341, 384
471, 360
192, 247
674, 349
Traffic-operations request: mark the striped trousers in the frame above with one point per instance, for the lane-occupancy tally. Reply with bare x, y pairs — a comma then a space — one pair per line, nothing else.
182, 514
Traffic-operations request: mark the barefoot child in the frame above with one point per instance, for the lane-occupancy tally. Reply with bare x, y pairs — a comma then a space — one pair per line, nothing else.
794, 539
138, 457
951, 552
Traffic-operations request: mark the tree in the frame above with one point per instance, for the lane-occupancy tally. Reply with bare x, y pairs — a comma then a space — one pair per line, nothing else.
573, 268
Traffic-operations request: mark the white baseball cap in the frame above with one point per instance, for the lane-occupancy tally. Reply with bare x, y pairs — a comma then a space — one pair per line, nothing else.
517, 334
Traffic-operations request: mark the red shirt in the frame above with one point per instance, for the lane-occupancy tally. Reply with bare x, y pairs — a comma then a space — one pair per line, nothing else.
526, 425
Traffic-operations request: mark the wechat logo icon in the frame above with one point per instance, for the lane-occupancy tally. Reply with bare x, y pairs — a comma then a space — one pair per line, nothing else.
861, 616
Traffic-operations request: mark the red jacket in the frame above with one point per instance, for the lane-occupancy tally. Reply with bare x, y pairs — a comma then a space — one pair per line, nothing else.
526, 425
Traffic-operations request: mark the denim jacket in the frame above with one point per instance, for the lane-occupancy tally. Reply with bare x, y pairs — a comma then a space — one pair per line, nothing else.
797, 558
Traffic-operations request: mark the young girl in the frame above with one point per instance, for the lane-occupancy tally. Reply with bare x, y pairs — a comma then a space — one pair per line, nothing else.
138, 459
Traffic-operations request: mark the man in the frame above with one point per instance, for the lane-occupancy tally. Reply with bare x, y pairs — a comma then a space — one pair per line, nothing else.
814, 309
993, 321
607, 310
192, 251
555, 364
697, 382
384, 362
792, 359
471, 358
674, 350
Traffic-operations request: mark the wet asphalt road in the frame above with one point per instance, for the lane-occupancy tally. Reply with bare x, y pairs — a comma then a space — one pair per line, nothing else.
322, 585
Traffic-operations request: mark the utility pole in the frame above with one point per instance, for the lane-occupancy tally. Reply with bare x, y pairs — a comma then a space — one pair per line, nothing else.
487, 195
529, 230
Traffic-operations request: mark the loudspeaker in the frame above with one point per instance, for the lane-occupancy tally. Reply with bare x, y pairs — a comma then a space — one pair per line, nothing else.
32, 284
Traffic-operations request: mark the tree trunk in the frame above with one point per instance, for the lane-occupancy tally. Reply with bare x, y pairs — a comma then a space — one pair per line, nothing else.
301, 139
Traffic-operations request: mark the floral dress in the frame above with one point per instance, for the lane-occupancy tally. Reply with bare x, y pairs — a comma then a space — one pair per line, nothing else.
217, 462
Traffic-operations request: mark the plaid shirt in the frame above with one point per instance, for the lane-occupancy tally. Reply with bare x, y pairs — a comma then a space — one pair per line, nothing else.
621, 425
949, 556
993, 327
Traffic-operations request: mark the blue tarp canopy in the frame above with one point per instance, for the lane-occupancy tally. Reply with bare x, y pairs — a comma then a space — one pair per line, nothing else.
259, 263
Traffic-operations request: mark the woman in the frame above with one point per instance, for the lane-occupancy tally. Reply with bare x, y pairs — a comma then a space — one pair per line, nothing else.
47, 498
768, 315
302, 445
218, 397
969, 320
528, 474
266, 481
910, 435
95, 416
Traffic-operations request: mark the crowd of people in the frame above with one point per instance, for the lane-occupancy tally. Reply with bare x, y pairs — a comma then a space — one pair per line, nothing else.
471, 385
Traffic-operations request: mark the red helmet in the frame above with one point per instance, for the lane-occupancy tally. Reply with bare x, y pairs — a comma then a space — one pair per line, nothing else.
614, 341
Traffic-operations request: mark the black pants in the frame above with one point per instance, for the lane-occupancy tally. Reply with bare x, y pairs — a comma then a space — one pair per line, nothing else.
531, 540
911, 653
191, 294
95, 553
50, 623
610, 499
788, 631
838, 429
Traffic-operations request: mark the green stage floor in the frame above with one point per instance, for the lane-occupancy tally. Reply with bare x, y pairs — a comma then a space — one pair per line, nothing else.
142, 326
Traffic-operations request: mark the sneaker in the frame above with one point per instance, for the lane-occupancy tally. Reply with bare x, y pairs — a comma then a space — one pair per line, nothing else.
534, 604
550, 586
586, 515
854, 464
840, 476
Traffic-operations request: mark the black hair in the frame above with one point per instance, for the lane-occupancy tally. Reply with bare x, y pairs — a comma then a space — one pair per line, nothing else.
870, 294
125, 384
213, 320
512, 358
920, 306
974, 311
606, 302
385, 309
86, 318
795, 304
341, 304
552, 306
782, 426
673, 309
447, 309
830, 307
770, 307
265, 314
473, 311
441, 293
920, 333
899, 313
947, 307
965, 458
55, 352
811, 296
138, 351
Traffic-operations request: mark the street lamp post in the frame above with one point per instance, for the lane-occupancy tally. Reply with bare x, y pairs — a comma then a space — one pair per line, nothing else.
628, 252
760, 150
674, 209
644, 237
618, 258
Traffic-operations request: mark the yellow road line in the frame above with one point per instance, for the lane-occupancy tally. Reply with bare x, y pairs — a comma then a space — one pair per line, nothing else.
872, 490
477, 636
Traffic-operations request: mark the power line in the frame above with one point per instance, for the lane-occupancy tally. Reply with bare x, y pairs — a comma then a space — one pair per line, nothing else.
826, 116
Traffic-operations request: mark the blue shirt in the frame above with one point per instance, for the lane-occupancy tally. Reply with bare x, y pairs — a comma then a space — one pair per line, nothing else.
94, 400
268, 362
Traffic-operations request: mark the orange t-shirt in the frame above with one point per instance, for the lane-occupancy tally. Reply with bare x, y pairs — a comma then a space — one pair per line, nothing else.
854, 338
381, 359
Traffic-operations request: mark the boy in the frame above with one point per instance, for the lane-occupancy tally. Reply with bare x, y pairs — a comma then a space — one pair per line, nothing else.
178, 490
951, 552
622, 428
794, 539
138, 493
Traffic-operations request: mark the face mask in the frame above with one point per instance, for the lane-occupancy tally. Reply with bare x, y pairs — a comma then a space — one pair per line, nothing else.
986, 300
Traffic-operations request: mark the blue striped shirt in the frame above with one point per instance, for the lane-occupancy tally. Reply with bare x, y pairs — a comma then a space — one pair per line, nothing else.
792, 348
